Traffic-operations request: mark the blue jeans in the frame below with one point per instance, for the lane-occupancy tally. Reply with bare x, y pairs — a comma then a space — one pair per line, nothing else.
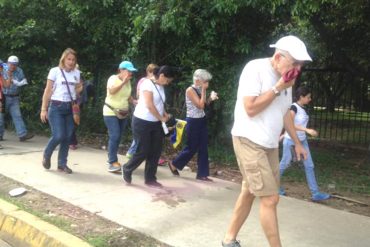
197, 142
308, 163
61, 124
133, 147
12, 106
115, 128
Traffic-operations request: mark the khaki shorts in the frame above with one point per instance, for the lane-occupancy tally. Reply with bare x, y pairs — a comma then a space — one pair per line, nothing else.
259, 167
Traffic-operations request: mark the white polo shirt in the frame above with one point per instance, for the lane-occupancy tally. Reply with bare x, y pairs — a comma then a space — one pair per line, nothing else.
258, 76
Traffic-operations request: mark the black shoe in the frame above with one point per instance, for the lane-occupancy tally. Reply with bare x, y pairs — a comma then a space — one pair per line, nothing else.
65, 169
26, 137
205, 179
154, 184
1, 139
126, 176
174, 172
46, 163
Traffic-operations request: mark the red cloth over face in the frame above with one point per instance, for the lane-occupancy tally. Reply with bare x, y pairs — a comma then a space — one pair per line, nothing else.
291, 74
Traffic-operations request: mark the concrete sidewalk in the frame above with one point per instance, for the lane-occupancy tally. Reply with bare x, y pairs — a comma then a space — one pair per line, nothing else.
186, 212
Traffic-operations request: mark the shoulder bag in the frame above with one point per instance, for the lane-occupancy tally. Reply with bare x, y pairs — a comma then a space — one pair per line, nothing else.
120, 113
75, 106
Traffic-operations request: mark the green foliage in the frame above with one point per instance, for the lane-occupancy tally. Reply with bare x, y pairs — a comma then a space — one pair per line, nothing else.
98, 240
218, 35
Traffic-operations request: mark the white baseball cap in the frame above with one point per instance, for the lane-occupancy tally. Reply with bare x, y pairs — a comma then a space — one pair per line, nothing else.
13, 60
294, 46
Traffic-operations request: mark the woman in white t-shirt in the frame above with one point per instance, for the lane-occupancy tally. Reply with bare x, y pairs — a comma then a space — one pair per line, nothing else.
149, 74
63, 83
300, 116
147, 126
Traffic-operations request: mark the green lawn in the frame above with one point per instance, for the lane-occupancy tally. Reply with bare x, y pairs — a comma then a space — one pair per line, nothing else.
348, 169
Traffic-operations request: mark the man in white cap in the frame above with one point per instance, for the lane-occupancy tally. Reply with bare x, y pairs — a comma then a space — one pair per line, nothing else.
261, 111
13, 79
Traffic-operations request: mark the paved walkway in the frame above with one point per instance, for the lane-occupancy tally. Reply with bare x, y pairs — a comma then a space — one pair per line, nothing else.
186, 212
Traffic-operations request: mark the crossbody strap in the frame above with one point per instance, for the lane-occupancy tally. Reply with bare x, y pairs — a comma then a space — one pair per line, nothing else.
164, 104
199, 95
69, 91
109, 106
158, 93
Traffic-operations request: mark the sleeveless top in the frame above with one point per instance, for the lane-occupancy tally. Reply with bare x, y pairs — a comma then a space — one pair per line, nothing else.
191, 110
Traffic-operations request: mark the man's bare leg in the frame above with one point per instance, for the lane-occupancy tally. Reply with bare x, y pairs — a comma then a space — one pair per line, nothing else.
241, 211
268, 218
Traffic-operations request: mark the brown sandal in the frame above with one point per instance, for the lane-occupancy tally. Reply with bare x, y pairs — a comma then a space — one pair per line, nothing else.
174, 172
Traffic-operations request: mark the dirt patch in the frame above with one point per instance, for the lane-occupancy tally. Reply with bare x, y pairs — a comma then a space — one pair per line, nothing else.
88, 226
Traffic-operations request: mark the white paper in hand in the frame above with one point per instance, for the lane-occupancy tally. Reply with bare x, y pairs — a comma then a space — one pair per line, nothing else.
20, 83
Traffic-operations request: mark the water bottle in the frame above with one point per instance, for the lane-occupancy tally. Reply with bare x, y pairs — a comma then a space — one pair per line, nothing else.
165, 129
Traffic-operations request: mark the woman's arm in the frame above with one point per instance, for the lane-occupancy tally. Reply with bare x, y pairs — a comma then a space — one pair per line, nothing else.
311, 132
45, 100
194, 98
79, 87
115, 89
125, 79
289, 127
132, 101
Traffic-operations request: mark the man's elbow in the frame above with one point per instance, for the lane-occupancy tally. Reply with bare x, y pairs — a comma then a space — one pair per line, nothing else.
250, 112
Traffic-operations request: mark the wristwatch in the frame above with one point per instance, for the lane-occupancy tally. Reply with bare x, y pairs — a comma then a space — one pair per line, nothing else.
276, 92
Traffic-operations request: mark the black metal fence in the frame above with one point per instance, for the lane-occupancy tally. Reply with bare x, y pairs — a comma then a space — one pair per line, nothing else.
340, 107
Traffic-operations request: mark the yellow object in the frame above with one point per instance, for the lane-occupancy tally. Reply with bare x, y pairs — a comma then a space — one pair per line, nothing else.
180, 127
118, 100
20, 228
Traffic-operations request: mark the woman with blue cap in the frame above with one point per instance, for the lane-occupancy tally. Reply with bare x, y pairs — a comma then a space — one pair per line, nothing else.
116, 109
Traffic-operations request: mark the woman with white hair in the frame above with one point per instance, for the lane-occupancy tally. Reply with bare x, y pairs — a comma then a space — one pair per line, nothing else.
196, 128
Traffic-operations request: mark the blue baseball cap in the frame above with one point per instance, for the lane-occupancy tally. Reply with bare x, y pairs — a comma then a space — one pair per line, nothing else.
127, 65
